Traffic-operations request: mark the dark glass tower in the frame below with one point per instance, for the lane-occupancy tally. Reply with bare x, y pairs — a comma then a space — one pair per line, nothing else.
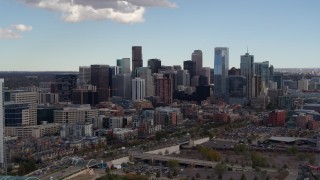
136, 58
221, 68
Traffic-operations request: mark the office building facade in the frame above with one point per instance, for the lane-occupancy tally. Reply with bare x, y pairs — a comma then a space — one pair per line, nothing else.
247, 70
138, 88
136, 58
221, 68
124, 65
196, 57
154, 65
2, 144
100, 77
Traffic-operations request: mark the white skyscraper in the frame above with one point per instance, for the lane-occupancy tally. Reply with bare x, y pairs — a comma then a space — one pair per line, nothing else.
138, 88
1, 124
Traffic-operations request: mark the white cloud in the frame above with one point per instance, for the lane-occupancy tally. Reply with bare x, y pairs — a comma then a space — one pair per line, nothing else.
22, 27
12, 32
124, 11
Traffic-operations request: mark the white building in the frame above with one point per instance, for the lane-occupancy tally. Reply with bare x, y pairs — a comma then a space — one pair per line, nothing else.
77, 114
1, 124
84, 75
303, 84
138, 88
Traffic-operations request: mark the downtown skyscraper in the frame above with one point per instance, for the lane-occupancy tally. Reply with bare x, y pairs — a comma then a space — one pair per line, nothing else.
221, 68
136, 58
197, 58
247, 70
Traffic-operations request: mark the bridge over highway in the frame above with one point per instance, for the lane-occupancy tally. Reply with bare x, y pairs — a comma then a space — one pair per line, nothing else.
155, 157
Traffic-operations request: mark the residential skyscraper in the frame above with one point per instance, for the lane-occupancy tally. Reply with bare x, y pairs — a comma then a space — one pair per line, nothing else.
247, 70
154, 64
124, 65
164, 88
2, 145
136, 58
221, 68
197, 58
100, 77
138, 88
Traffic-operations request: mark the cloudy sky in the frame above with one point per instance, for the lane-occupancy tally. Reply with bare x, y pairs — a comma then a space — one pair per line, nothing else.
45, 35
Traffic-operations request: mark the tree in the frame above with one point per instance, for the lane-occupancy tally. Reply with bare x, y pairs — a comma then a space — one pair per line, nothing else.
220, 168
173, 164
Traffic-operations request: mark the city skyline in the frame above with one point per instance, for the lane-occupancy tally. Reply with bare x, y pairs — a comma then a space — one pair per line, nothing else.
35, 39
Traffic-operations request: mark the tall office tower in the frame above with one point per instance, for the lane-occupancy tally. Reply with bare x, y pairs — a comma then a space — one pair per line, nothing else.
183, 78
121, 86
278, 78
271, 72
247, 70
164, 88
211, 76
154, 64
25, 97
64, 85
221, 68
206, 73
191, 67
136, 58
262, 69
197, 58
124, 65
100, 77
115, 70
234, 72
257, 85
145, 73
138, 88
2, 145
84, 75
237, 89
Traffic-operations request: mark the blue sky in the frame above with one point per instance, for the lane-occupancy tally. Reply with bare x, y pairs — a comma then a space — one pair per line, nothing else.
284, 32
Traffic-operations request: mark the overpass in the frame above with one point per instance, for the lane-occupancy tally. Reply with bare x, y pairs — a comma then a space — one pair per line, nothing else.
155, 157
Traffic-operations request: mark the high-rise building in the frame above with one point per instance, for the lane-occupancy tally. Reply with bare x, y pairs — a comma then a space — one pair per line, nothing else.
183, 78
191, 67
146, 74
121, 86
100, 77
221, 68
138, 88
136, 58
154, 64
262, 69
124, 65
278, 78
64, 85
115, 70
237, 89
2, 145
206, 73
247, 70
16, 114
29, 98
164, 88
84, 75
197, 58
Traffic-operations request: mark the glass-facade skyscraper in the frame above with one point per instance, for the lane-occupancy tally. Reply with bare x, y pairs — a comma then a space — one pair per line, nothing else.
247, 70
221, 68
262, 69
